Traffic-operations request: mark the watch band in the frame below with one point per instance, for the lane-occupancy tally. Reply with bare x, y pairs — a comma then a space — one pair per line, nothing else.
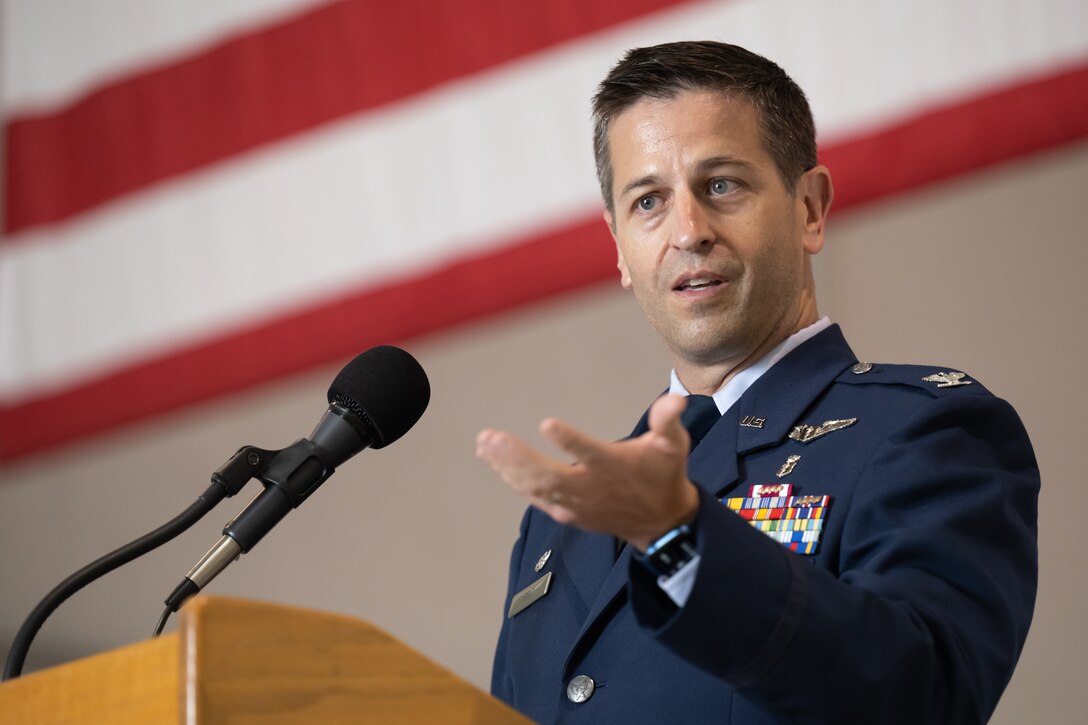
671, 552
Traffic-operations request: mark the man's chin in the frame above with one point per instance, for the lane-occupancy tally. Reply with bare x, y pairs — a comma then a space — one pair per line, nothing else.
708, 346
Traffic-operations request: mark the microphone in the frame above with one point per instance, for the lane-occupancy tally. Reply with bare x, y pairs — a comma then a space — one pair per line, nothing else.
373, 401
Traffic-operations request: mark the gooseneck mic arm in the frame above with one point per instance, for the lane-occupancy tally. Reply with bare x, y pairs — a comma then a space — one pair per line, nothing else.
227, 481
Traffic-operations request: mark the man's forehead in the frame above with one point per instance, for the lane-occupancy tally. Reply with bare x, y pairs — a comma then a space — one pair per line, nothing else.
707, 128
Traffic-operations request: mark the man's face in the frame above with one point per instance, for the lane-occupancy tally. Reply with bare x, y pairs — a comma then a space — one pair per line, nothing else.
710, 240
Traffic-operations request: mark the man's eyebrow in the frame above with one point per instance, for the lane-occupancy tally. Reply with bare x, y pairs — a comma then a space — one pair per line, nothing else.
648, 180
716, 161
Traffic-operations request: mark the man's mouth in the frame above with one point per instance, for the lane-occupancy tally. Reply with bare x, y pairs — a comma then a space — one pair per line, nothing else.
697, 283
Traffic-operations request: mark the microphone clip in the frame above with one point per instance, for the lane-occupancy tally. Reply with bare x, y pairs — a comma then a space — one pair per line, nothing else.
247, 463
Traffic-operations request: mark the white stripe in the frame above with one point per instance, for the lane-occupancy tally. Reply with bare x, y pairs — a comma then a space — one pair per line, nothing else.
52, 51
884, 61
472, 165
396, 192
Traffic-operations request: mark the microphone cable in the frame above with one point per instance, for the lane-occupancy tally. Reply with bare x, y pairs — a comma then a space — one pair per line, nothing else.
231, 477
20, 646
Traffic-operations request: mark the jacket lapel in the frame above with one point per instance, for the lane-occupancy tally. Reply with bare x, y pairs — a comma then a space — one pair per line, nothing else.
777, 401
613, 589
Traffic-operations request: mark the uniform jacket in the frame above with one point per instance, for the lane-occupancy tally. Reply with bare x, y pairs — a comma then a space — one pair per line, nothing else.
914, 608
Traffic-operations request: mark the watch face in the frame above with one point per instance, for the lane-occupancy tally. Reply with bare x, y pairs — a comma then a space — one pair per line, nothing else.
671, 552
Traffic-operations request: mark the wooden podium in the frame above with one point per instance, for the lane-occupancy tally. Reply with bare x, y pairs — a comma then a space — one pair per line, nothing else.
241, 662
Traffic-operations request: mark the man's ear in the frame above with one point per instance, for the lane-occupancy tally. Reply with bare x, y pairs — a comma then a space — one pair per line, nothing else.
621, 265
815, 191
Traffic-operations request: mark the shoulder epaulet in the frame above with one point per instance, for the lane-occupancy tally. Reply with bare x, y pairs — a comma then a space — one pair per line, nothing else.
938, 381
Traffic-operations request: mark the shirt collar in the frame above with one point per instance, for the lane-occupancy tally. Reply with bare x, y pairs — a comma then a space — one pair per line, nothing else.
735, 387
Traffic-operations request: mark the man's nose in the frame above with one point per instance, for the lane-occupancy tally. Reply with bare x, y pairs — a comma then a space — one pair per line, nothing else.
693, 228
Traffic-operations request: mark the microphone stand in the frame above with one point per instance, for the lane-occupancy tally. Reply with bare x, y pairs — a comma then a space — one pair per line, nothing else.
246, 463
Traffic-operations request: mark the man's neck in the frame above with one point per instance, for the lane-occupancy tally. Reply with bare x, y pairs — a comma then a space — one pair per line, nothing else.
708, 379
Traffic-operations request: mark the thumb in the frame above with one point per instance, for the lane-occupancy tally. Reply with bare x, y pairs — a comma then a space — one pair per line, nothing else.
664, 420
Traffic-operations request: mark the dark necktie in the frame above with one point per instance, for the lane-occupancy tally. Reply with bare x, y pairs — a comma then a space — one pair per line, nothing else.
699, 417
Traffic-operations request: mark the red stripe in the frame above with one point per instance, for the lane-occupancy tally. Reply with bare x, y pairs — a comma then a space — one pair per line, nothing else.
470, 289
942, 143
269, 84
1003, 124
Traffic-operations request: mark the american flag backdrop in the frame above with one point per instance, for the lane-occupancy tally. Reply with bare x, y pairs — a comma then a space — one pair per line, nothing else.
203, 196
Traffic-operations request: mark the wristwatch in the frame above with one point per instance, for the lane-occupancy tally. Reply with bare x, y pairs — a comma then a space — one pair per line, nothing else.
670, 553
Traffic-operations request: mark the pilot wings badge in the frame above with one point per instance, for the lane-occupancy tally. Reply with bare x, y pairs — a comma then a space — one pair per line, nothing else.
806, 433
947, 380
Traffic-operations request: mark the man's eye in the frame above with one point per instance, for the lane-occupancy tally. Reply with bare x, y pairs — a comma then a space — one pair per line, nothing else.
720, 186
647, 203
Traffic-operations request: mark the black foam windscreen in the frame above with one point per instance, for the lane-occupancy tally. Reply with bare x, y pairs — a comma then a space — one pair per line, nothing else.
386, 388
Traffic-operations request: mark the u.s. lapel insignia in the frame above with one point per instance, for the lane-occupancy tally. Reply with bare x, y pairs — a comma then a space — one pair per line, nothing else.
947, 380
542, 560
788, 466
752, 421
529, 595
795, 521
806, 433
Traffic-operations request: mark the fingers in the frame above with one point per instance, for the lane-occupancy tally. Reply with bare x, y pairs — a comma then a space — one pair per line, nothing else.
552, 486
585, 448
664, 421
631, 488
508, 455
527, 470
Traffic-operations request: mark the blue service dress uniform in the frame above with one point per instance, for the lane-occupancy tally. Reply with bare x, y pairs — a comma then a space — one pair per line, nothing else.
913, 608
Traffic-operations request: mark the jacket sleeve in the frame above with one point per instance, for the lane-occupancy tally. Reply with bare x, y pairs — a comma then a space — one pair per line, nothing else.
922, 615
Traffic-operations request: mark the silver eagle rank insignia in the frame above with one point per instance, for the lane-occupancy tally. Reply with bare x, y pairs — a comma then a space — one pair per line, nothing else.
947, 380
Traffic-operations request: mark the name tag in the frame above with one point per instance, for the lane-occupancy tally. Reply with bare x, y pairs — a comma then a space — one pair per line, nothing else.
529, 595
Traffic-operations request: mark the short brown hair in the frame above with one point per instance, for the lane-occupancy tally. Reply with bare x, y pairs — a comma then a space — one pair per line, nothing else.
663, 71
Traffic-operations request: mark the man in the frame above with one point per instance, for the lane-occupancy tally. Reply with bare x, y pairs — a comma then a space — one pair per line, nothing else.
847, 542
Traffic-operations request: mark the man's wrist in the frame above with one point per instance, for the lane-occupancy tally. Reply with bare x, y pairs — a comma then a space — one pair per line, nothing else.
687, 515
